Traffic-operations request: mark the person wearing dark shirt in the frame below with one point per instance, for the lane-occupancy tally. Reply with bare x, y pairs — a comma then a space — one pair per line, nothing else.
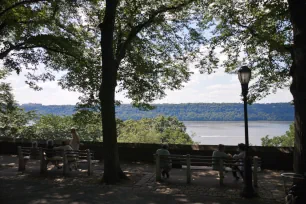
165, 163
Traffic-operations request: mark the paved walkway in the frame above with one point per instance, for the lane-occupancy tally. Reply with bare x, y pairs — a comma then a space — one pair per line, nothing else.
78, 188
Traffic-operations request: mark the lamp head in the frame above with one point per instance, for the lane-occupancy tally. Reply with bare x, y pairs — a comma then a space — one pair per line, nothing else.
244, 75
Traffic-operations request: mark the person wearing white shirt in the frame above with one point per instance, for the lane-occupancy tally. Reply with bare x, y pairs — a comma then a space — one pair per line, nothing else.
240, 161
65, 146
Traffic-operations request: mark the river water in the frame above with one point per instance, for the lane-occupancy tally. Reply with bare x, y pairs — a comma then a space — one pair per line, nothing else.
232, 133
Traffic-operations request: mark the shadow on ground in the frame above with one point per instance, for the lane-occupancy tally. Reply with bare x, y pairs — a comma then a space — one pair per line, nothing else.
77, 188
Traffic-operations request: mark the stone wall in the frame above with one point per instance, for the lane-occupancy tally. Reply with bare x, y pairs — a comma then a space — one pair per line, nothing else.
272, 157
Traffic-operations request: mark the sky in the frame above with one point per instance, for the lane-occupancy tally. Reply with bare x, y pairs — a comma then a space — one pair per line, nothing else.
218, 87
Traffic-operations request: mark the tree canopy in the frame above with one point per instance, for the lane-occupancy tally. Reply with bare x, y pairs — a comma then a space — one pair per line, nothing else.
154, 43
253, 33
40, 33
269, 37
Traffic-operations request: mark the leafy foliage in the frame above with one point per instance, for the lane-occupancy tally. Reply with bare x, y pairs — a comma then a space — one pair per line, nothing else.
158, 130
51, 127
286, 140
58, 127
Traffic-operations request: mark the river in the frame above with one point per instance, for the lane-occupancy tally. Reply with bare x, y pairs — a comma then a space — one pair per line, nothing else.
232, 132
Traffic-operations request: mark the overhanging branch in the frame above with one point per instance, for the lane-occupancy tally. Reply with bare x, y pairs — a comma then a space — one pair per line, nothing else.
47, 48
23, 46
19, 4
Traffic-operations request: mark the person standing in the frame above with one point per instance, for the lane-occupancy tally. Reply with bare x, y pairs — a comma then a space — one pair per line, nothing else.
75, 142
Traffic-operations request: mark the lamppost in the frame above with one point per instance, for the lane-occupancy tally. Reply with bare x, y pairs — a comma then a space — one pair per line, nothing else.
244, 75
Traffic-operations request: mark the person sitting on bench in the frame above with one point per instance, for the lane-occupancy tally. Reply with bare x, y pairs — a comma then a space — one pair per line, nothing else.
165, 164
217, 155
65, 146
50, 153
34, 154
239, 157
50, 146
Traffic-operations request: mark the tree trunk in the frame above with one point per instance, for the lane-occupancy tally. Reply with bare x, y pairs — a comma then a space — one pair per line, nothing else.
112, 170
298, 87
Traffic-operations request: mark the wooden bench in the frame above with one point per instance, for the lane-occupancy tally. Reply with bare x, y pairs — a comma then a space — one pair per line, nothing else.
25, 154
207, 161
68, 158
79, 156
50, 155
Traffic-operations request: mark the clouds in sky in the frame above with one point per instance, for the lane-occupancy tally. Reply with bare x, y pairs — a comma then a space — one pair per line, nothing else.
202, 88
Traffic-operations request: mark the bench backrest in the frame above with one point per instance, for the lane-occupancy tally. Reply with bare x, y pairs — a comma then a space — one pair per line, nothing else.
80, 154
197, 160
50, 152
26, 151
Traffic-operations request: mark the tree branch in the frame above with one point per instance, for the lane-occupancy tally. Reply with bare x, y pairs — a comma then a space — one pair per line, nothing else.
47, 48
275, 45
136, 29
22, 46
19, 4
6, 52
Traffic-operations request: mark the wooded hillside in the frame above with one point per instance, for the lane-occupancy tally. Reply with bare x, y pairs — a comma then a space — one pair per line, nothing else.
187, 112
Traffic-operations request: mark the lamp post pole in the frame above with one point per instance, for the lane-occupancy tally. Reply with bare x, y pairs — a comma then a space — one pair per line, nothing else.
248, 190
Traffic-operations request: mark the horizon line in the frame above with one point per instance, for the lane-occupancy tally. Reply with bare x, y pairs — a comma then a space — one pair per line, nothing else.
155, 103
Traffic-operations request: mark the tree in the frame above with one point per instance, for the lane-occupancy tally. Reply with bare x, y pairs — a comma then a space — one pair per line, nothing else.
145, 48
269, 37
12, 118
298, 87
286, 140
